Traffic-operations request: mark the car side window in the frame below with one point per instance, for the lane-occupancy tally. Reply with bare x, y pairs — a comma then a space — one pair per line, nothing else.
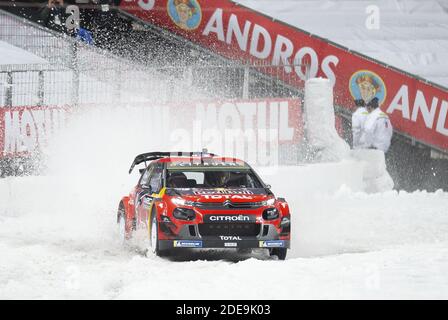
156, 179
144, 181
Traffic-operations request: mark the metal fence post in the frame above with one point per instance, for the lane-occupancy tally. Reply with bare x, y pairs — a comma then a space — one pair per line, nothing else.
40, 88
75, 68
8, 91
246, 82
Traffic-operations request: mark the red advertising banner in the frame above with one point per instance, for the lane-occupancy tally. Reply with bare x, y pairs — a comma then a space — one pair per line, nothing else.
280, 118
24, 130
417, 108
258, 123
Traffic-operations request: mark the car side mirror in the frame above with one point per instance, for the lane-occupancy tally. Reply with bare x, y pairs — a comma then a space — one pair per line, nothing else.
147, 188
268, 186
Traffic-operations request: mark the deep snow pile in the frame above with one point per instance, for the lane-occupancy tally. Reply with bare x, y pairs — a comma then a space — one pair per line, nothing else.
58, 236
320, 121
410, 34
328, 146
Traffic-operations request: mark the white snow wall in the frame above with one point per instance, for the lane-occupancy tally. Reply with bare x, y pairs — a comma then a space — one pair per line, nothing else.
320, 121
330, 147
375, 176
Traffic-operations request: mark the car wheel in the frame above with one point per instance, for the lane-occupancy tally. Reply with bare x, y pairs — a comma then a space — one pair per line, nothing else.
121, 223
279, 252
154, 236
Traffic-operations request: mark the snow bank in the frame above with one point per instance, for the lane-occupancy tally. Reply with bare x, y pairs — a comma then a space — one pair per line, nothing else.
328, 146
331, 214
320, 121
375, 175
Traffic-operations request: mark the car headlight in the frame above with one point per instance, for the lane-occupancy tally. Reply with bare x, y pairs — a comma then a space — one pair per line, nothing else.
181, 202
184, 214
269, 202
165, 219
270, 214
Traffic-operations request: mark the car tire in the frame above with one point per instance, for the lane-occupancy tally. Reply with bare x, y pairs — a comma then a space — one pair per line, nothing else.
154, 236
121, 223
279, 252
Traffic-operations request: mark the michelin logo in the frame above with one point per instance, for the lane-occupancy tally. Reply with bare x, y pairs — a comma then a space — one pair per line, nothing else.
272, 244
187, 244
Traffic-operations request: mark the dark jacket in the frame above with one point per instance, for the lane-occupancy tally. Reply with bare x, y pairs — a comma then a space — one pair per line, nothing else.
53, 18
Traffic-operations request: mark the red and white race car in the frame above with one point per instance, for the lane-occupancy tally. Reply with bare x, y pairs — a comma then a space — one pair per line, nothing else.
200, 200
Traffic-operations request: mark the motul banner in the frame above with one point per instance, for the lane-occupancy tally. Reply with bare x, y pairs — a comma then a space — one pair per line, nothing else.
416, 108
281, 117
254, 125
24, 130
258, 131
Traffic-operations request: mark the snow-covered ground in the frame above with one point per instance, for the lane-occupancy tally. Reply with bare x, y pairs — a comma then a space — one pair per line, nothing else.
58, 240
58, 235
412, 34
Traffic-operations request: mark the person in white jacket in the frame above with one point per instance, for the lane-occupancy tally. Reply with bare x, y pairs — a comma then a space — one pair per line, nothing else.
358, 119
377, 131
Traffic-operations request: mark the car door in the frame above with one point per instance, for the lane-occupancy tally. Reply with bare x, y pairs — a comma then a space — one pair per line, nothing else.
142, 193
150, 185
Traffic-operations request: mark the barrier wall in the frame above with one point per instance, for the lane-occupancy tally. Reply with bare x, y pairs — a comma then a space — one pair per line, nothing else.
26, 129
417, 108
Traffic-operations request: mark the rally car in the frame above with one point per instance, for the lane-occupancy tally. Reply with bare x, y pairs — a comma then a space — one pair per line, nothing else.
201, 200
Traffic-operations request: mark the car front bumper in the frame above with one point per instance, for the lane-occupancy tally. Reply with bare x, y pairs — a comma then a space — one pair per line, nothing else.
225, 244
223, 235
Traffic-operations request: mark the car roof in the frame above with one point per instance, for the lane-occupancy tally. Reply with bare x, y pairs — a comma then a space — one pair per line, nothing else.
203, 161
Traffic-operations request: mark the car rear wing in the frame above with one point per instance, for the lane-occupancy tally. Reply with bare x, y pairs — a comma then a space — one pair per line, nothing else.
145, 157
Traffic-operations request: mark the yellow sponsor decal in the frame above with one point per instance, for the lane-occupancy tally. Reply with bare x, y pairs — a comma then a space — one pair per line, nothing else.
155, 196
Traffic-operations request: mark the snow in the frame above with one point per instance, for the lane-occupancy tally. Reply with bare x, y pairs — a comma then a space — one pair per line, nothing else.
58, 235
328, 146
376, 178
412, 34
320, 121
13, 55
57, 242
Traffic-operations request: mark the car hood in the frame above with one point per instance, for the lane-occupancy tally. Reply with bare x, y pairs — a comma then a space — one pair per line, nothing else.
221, 194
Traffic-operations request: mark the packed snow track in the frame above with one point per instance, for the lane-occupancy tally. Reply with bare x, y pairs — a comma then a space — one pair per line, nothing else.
58, 233
59, 243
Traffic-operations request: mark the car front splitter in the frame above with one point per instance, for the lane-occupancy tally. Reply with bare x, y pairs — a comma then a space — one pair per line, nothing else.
244, 244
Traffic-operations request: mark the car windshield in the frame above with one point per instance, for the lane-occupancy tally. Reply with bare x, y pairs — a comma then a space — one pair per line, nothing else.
197, 178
